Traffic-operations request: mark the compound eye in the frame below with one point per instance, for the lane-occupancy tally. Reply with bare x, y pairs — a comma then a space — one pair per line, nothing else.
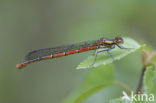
119, 41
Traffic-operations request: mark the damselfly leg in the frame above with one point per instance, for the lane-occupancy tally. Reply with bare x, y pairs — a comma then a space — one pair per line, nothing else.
97, 52
108, 51
121, 47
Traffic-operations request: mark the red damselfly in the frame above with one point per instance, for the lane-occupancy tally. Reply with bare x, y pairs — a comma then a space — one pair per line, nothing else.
54, 52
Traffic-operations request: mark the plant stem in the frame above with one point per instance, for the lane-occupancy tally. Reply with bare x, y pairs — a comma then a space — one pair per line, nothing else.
139, 88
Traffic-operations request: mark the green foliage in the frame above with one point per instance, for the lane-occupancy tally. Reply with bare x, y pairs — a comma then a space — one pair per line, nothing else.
150, 80
149, 83
103, 58
95, 80
86, 94
103, 76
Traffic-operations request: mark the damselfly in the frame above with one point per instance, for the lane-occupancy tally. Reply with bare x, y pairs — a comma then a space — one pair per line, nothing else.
54, 52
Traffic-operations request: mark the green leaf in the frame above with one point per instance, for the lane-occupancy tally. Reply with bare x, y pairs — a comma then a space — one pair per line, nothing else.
102, 75
86, 94
96, 80
149, 84
92, 91
117, 53
150, 80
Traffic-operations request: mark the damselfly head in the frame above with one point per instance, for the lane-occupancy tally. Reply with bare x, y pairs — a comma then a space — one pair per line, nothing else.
118, 40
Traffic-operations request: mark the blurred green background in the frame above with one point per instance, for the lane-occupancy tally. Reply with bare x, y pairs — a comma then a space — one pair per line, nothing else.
26, 25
